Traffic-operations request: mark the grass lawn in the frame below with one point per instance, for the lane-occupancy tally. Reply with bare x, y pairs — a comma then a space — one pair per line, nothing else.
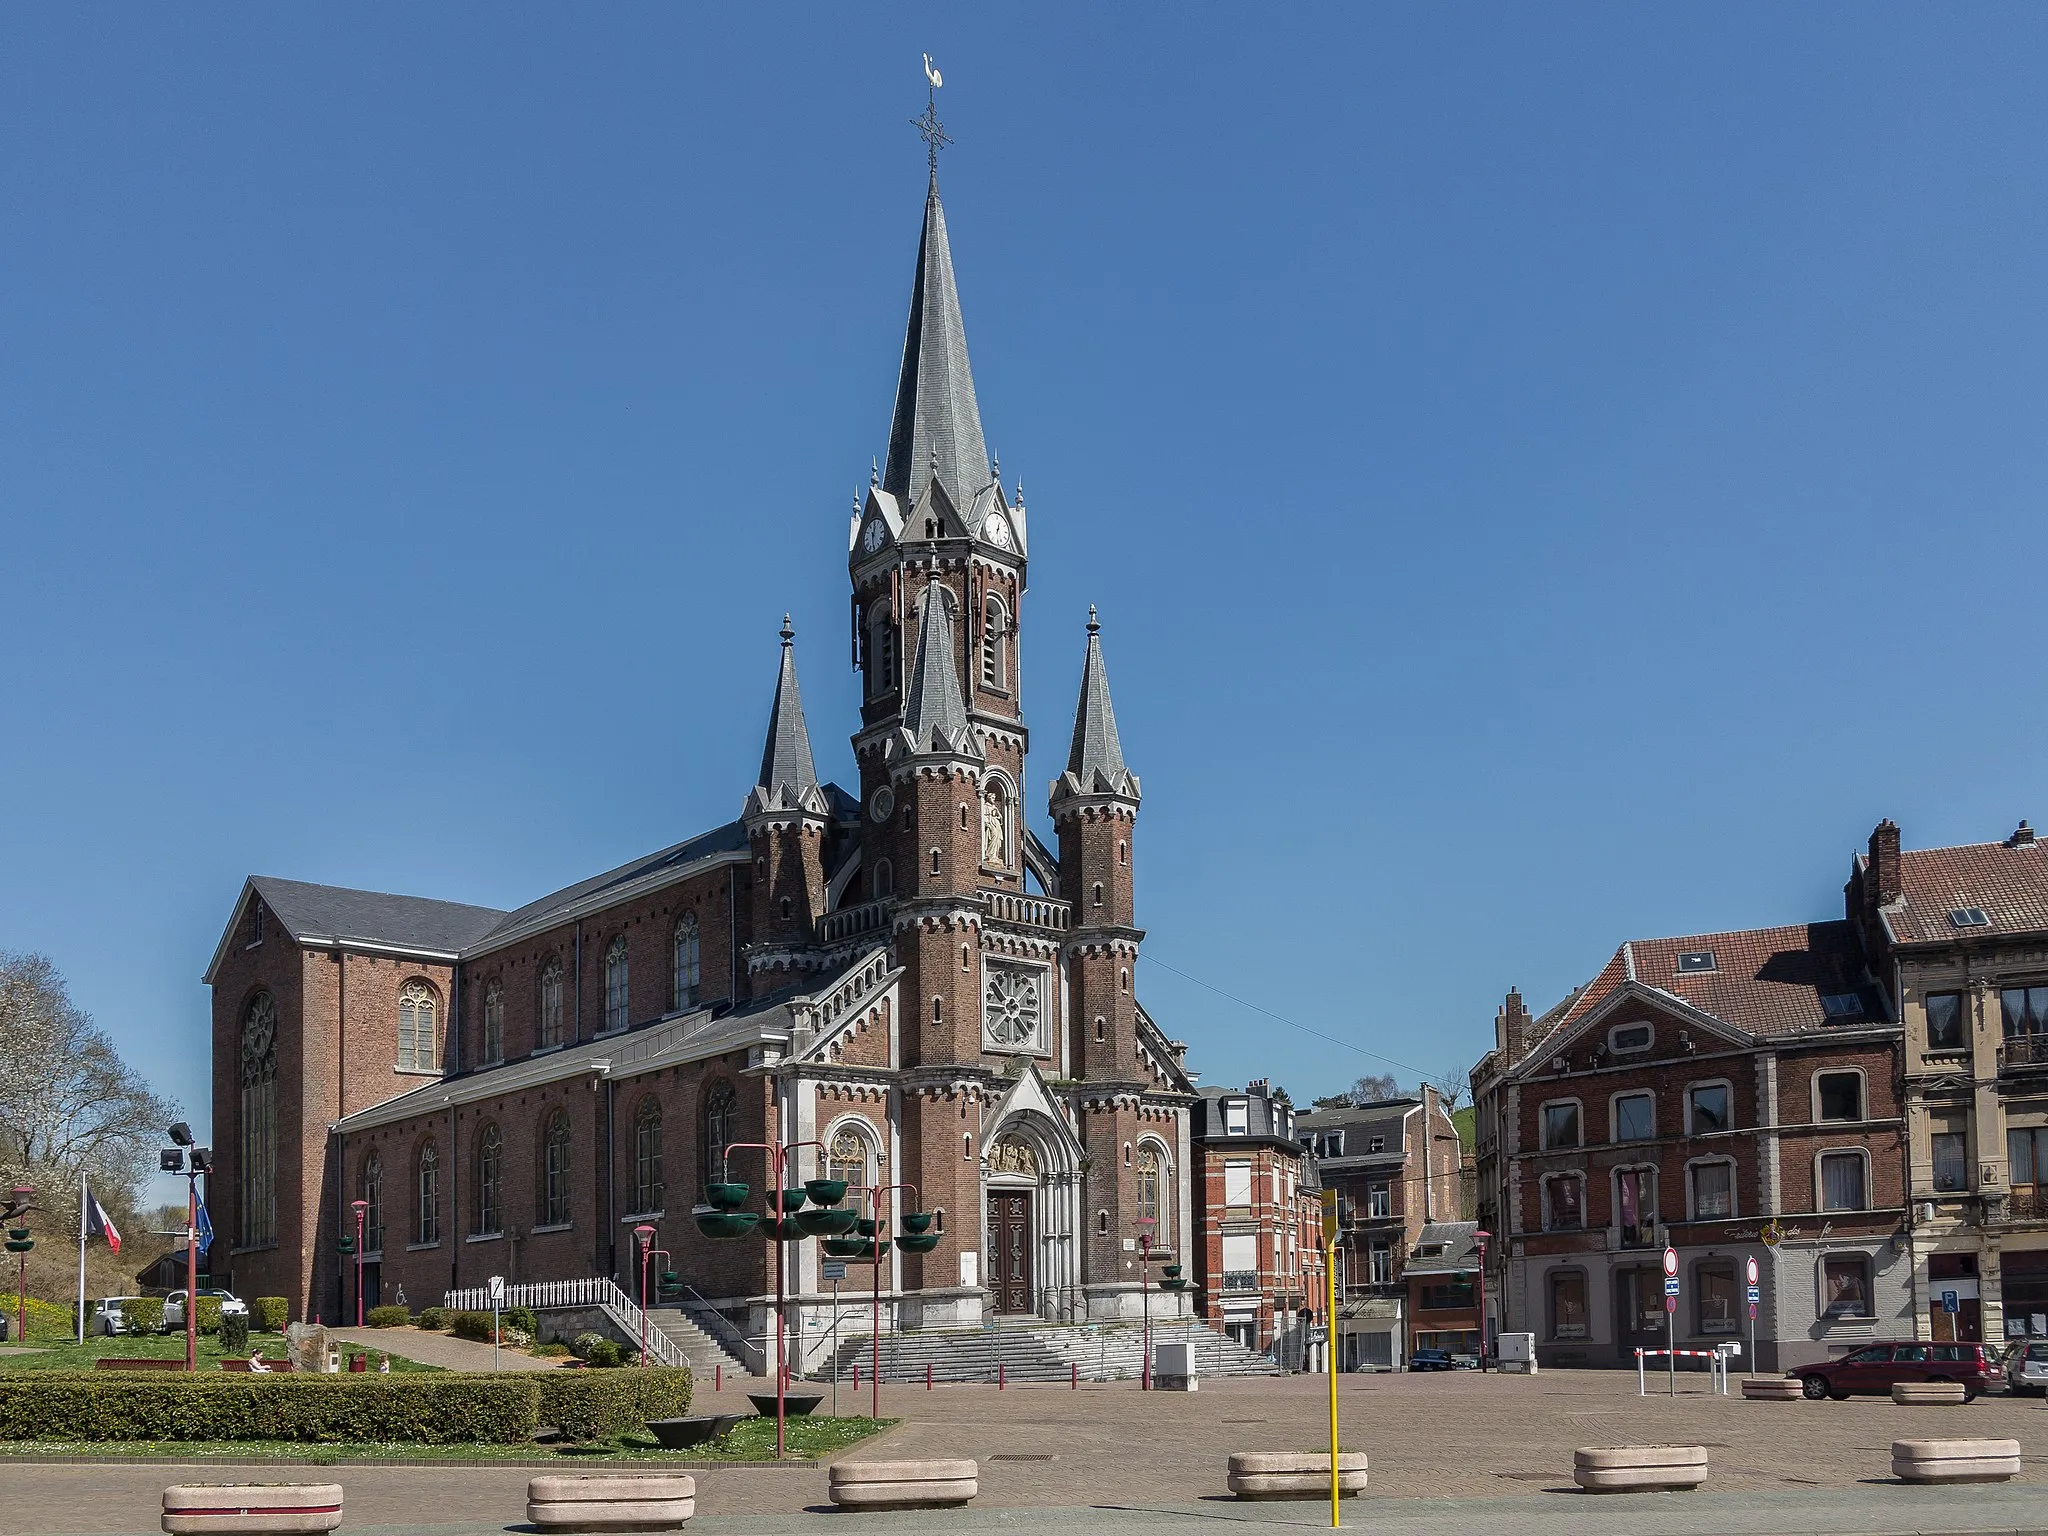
66, 1355
753, 1440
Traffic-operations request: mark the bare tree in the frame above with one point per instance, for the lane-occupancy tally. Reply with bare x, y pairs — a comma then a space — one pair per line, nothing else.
68, 1103
1453, 1083
1367, 1090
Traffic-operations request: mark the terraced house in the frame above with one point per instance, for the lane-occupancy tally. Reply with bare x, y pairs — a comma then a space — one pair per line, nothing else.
900, 979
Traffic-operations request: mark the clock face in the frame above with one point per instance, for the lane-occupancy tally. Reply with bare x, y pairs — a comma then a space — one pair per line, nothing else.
872, 539
881, 803
996, 530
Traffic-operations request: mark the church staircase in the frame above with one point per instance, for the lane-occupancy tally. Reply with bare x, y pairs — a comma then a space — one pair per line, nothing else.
1032, 1351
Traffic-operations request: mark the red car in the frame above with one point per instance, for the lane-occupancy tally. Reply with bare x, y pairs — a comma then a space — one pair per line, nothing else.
1878, 1367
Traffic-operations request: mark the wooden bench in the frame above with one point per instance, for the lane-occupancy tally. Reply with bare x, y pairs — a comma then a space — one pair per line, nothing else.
1295, 1474
659, 1501
1955, 1461
272, 1367
135, 1363
1639, 1468
903, 1484
265, 1509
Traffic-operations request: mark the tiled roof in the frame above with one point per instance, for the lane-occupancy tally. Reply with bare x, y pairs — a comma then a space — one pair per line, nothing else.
2009, 881
1764, 981
1460, 1242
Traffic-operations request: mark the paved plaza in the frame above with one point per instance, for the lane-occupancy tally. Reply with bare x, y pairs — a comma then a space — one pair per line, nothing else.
1449, 1453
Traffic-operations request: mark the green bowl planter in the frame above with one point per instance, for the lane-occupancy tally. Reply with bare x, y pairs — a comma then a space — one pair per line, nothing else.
1172, 1271
1174, 1283
865, 1226
844, 1247
918, 1242
825, 1191
724, 1224
792, 1201
916, 1221
826, 1223
727, 1197
789, 1231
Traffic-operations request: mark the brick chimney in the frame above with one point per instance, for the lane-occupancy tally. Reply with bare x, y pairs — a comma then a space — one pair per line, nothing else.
1511, 1028
1259, 1087
1885, 884
2022, 837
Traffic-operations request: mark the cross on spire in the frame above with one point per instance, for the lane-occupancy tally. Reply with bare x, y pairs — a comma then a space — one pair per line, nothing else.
929, 127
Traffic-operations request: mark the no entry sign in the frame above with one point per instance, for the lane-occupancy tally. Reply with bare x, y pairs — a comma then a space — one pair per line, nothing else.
1670, 1261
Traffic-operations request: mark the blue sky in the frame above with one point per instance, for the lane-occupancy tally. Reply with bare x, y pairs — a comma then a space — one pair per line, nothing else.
1549, 474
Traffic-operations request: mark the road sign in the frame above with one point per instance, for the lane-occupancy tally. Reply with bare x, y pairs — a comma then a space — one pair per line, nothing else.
833, 1269
1756, 1294
1949, 1302
1329, 1216
1670, 1303
496, 1287
1752, 1311
1670, 1261
1671, 1286
1319, 1335
1752, 1276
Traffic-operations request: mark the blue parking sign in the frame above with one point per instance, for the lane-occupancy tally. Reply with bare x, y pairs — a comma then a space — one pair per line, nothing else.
1671, 1286
1949, 1302
1756, 1294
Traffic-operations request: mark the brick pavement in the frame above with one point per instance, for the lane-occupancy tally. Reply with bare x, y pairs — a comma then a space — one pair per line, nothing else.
1446, 1451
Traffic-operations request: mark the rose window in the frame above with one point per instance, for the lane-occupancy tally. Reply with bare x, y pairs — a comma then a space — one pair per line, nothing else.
1010, 1008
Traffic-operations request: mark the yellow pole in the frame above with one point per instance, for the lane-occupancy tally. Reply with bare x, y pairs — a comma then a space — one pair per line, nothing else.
1330, 1335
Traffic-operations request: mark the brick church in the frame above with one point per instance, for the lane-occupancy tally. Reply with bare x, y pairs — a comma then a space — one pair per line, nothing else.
902, 981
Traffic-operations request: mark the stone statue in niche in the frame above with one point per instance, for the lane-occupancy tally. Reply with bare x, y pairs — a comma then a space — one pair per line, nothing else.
994, 844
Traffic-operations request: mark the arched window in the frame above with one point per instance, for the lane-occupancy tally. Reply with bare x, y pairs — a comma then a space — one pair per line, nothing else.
373, 1198
688, 963
416, 1038
647, 1192
881, 651
427, 1210
1151, 1193
490, 1182
258, 1173
551, 1003
721, 1114
850, 1157
884, 882
554, 1170
494, 1022
995, 644
615, 984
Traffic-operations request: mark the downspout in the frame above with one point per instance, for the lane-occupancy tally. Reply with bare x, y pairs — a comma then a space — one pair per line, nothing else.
579, 981
732, 939
451, 1048
454, 1228
611, 1176
340, 1032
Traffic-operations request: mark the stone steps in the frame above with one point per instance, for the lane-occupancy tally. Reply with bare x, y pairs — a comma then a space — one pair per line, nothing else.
705, 1354
1040, 1352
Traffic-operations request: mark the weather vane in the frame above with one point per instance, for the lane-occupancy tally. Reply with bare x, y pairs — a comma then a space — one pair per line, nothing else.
934, 133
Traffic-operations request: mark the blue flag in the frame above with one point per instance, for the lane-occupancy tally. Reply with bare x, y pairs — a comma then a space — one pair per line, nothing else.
205, 1230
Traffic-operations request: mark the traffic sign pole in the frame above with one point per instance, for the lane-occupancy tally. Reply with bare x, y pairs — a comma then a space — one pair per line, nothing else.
1671, 1317
1330, 1224
1754, 1295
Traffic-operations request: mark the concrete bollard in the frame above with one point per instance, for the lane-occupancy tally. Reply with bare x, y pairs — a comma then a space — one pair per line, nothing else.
903, 1484
265, 1509
1955, 1461
1295, 1474
1639, 1468
659, 1501
1929, 1394
1774, 1389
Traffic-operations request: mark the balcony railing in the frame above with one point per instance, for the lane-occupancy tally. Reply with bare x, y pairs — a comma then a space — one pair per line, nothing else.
1029, 911
850, 922
2027, 1202
2023, 1053
1240, 1280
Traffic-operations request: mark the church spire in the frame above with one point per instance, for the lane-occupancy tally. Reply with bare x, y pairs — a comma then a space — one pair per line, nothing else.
934, 716
789, 777
936, 430
1095, 761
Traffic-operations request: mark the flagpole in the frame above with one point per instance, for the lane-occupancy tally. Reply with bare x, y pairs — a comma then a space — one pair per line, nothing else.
82, 1197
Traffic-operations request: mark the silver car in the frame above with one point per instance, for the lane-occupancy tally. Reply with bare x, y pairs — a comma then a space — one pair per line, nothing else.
2026, 1367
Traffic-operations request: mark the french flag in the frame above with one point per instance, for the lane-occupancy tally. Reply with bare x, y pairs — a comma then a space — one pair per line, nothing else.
98, 1223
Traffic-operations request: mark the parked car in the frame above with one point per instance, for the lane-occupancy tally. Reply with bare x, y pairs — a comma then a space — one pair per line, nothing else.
1880, 1367
2026, 1367
1431, 1360
106, 1319
174, 1307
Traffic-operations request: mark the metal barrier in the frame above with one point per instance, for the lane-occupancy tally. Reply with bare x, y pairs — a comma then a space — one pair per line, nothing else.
1717, 1360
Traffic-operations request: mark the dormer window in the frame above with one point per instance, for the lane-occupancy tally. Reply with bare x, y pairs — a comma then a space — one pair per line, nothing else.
1377, 1144
1691, 961
1237, 1115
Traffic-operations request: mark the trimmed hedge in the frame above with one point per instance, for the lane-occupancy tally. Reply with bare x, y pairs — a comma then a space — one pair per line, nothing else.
429, 1409
423, 1408
270, 1313
234, 1335
436, 1318
584, 1404
387, 1317
471, 1325
209, 1314
142, 1314
521, 1318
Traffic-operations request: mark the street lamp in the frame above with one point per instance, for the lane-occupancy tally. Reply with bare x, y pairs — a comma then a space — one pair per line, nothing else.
1482, 1238
645, 1236
188, 1161
1145, 1225
362, 1209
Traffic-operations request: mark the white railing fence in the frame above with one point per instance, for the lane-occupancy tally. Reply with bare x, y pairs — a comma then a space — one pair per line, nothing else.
553, 1295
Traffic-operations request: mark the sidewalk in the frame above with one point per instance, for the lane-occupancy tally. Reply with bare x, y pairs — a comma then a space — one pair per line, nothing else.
442, 1349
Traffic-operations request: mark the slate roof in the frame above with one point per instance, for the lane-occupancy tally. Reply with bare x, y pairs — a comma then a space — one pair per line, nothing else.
311, 912
558, 906
789, 776
1095, 759
1765, 981
1360, 1123
936, 422
2008, 880
934, 717
1461, 1249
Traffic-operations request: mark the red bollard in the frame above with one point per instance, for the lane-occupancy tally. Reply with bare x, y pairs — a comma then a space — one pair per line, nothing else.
718, 1378
1076, 1382
856, 1375
999, 1375
927, 1375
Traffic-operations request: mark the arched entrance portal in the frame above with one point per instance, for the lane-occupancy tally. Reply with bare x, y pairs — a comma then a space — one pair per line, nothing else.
1013, 1182
1031, 1193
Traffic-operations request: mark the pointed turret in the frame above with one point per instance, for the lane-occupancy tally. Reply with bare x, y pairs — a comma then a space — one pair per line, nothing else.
936, 430
1095, 761
789, 777
934, 715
